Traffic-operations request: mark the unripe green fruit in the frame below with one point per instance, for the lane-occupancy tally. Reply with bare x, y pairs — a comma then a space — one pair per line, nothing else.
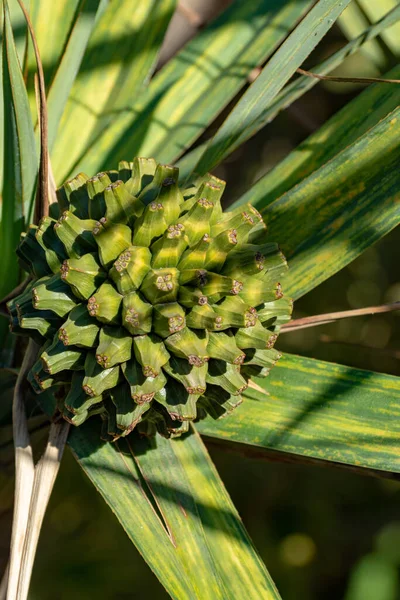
152, 305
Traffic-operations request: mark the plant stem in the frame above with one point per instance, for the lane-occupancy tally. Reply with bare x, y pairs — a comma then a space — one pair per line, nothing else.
45, 475
33, 486
24, 473
364, 80
4, 584
323, 319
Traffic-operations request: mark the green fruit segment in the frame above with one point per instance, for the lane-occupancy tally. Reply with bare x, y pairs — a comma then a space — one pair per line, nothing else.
127, 413
262, 358
167, 251
195, 257
106, 304
161, 285
96, 185
255, 337
57, 358
193, 378
236, 312
223, 347
75, 234
226, 376
80, 329
112, 239
151, 353
189, 296
164, 175
219, 249
251, 259
124, 170
53, 294
171, 198
197, 220
77, 401
84, 274
275, 313
190, 345
150, 225
130, 268
257, 291
136, 314
52, 246
143, 170
168, 318
203, 316
121, 206
142, 388
42, 380
97, 380
211, 188
114, 348
32, 255
180, 405
25, 316
219, 403
73, 196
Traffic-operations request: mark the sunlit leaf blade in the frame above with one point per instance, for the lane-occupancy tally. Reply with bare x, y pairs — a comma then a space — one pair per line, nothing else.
374, 11
319, 410
354, 20
174, 507
120, 57
87, 13
192, 89
20, 164
244, 118
19, 31
236, 562
358, 15
115, 476
298, 88
343, 129
301, 85
349, 203
52, 22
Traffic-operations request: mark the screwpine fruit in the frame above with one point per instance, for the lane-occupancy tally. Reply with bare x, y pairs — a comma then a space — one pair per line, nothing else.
152, 306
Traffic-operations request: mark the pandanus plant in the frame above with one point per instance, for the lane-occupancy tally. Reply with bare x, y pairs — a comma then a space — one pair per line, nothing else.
152, 310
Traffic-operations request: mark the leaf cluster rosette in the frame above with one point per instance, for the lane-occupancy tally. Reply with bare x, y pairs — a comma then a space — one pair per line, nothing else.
151, 305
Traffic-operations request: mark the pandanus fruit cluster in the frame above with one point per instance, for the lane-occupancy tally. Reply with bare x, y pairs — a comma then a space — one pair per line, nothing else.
151, 305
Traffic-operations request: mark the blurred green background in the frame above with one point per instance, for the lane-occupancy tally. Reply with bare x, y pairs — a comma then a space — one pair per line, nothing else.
324, 533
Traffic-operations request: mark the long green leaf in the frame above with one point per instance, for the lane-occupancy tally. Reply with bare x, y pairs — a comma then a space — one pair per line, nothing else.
20, 166
174, 507
301, 85
87, 13
352, 22
245, 117
192, 89
119, 60
320, 410
375, 10
19, 31
358, 15
295, 90
342, 130
52, 22
341, 209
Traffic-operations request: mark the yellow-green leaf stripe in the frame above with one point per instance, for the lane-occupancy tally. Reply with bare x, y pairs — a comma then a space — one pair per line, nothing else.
320, 410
